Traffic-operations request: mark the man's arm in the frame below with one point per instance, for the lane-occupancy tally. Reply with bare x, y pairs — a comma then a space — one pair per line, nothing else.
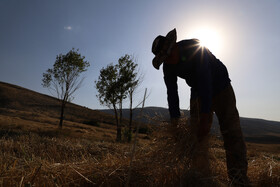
172, 94
205, 87
205, 92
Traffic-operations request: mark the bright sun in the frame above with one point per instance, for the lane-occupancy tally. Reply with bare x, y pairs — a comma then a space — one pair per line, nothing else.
208, 38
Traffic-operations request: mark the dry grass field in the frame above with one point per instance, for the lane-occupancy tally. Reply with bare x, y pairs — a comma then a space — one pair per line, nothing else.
34, 152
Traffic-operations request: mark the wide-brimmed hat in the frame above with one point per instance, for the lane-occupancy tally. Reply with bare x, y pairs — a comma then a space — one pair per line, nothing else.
162, 47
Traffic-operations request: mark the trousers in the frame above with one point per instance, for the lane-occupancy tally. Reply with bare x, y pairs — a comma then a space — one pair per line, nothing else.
224, 106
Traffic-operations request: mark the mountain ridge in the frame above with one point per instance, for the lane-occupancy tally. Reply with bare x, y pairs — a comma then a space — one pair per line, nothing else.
254, 129
13, 97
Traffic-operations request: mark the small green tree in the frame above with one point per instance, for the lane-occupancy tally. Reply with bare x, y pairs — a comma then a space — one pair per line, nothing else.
113, 86
126, 76
108, 92
64, 78
129, 79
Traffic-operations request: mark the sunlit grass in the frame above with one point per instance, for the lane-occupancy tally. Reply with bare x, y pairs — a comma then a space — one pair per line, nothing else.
35, 152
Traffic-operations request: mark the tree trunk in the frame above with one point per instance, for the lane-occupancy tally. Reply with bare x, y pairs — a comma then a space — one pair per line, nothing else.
130, 119
120, 109
119, 129
120, 122
62, 113
119, 134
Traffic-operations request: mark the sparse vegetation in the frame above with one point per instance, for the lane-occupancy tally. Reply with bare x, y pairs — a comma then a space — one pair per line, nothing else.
63, 78
92, 122
115, 84
82, 155
34, 152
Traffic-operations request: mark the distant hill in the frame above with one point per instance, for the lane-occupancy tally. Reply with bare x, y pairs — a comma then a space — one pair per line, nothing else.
255, 130
14, 99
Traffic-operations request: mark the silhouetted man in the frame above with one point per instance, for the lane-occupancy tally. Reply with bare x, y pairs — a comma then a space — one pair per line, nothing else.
211, 91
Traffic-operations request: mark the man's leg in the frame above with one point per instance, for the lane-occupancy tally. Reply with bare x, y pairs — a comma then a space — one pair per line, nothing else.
195, 105
194, 112
225, 108
200, 160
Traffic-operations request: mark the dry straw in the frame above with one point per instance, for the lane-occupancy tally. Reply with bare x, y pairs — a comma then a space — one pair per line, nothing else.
171, 156
179, 159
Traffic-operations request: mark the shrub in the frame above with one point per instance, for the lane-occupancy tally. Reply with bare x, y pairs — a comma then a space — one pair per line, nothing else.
92, 123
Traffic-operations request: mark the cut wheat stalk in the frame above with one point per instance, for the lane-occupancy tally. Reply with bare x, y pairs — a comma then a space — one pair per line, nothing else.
82, 175
135, 141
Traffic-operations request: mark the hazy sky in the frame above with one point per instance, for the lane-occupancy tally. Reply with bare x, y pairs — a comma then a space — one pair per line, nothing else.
246, 33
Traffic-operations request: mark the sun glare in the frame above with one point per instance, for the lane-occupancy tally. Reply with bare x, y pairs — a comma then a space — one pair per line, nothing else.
208, 38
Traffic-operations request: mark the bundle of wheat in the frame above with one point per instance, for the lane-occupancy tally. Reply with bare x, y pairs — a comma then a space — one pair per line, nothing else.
178, 158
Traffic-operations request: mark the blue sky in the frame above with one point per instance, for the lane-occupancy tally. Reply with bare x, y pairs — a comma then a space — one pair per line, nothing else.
33, 32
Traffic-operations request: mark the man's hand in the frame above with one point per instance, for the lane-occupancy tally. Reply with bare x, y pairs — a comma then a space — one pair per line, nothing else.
204, 126
174, 122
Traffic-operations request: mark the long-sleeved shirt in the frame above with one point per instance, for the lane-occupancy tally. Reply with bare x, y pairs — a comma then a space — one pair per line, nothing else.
203, 72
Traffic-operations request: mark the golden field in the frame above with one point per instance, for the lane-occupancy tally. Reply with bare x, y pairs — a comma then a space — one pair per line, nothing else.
34, 152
